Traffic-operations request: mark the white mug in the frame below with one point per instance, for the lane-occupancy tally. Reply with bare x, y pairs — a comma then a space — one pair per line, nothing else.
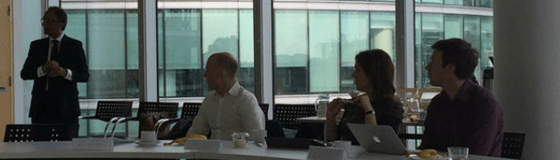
148, 136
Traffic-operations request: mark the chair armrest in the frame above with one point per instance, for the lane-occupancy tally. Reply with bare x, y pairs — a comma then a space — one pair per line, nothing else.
168, 120
126, 119
164, 121
131, 119
87, 117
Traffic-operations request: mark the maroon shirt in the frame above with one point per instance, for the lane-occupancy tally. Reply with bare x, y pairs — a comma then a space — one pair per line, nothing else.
474, 119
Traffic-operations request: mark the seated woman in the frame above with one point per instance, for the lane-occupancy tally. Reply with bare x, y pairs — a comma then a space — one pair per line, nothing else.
373, 74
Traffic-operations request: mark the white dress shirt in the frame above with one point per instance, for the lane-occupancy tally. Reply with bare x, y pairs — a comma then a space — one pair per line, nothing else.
40, 72
237, 111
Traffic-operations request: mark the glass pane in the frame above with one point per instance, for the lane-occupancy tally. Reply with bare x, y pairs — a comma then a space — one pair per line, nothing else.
353, 25
219, 32
106, 60
76, 28
471, 2
323, 51
132, 81
454, 2
453, 26
181, 58
290, 75
246, 74
382, 32
161, 52
487, 3
472, 35
486, 39
433, 1
432, 31
418, 68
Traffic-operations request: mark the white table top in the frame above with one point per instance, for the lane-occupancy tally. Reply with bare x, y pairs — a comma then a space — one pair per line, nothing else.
132, 150
313, 119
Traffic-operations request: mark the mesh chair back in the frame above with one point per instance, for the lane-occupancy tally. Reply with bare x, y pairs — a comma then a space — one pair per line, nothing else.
153, 107
109, 109
512, 145
190, 109
264, 108
286, 114
34, 132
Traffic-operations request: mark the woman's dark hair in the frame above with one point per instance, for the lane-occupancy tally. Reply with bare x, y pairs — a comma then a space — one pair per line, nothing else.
379, 68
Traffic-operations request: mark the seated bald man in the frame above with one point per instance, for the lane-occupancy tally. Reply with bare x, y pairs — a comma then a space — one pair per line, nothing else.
229, 107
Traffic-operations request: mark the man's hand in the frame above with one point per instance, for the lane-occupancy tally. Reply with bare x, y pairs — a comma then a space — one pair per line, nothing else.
53, 69
334, 108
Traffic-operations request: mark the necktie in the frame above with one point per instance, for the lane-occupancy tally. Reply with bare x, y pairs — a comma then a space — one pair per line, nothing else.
52, 56
54, 50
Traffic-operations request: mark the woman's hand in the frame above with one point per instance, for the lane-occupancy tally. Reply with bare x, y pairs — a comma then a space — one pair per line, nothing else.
363, 102
334, 108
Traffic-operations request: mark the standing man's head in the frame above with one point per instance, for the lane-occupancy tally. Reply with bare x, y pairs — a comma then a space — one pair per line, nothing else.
54, 21
452, 59
374, 72
221, 70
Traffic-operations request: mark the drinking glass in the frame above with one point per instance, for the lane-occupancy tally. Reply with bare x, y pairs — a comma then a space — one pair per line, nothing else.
458, 153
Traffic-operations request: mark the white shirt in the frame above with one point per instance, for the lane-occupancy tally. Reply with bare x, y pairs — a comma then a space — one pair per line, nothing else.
237, 111
40, 72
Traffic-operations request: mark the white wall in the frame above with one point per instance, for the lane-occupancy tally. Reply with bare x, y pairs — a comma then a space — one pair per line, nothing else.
26, 28
527, 72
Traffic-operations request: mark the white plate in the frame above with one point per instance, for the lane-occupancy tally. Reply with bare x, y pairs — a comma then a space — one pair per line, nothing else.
147, 144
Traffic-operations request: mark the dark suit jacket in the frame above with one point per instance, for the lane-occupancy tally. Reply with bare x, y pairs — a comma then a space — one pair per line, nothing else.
62, 92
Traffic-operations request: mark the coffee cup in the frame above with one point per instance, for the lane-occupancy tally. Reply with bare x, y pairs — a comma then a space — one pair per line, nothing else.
148, 136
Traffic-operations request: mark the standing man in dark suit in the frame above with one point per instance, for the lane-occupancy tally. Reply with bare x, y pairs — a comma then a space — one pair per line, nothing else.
55, 64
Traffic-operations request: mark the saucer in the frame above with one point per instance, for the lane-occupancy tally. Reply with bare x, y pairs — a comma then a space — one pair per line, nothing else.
147, 144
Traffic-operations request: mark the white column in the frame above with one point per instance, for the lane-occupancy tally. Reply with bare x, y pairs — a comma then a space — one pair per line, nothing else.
527, 72
147, 37
26, 28
405, 43
263, 52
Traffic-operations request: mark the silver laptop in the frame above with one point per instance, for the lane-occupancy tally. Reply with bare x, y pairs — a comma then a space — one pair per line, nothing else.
380, 139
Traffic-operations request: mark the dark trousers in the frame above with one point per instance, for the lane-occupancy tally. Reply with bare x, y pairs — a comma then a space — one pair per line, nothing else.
51, 115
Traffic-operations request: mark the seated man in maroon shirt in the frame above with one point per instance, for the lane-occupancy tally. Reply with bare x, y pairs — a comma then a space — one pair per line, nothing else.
463, 114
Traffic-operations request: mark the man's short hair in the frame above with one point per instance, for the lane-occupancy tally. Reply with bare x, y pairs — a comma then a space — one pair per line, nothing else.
459, 52
226, 61
60, 15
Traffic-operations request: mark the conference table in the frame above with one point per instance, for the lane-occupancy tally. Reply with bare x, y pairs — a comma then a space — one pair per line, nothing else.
44, 150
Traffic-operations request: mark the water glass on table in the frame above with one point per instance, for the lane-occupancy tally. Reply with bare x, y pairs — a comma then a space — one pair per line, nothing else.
345, 145
458, 153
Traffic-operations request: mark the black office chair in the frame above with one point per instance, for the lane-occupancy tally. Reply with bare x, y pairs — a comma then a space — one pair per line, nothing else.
37, 132
190, 109
152, 107
512, 145
286, 114
264, 107
107, 110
